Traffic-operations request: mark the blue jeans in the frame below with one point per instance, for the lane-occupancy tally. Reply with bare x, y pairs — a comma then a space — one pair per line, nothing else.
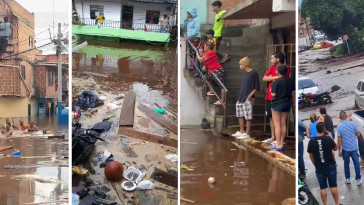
355, 157
301, 162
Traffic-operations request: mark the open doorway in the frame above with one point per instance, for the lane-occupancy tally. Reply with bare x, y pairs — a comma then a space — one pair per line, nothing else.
127, 17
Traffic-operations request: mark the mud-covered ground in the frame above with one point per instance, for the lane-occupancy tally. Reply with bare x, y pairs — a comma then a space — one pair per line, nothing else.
150, 86
326, 72
41, 173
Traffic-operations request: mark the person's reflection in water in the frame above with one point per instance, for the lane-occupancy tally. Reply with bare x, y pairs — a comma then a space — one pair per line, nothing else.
93, 64
76, 58
100, 63
123, 65
241, 169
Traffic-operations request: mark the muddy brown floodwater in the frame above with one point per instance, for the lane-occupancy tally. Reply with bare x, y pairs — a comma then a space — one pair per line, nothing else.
43, 172
148, 71
242, 177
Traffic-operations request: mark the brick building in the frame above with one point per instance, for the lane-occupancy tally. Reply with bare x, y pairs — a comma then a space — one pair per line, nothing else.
17, 96
305, 31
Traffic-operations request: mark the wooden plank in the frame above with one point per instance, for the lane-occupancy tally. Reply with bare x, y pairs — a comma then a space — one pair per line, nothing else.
159, 118
148, 137
127, 111
165, 177
3, 148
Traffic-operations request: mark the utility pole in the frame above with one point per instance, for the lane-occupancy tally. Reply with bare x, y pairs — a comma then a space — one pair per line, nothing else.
59, 56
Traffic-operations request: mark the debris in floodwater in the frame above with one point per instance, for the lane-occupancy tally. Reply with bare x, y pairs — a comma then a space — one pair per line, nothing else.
133, 174
105, 202
103, 126
120, 97
211, 180
335, 88
114, 171
128, 186
88, 100
112, 106
145, 185
16, 154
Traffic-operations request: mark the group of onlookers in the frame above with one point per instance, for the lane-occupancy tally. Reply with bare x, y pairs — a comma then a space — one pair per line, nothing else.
322, 148
280, 90
8, 128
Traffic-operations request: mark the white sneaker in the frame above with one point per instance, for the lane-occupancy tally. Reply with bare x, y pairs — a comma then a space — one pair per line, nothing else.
359, 182
267, 141
347, 181
238, 133
243, 136
274, 142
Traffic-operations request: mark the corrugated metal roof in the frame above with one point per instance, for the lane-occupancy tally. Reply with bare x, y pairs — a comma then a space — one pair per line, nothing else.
158, 1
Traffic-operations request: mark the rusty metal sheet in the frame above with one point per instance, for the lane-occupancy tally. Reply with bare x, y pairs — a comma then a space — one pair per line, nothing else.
127, 111
159, 118
128, 132
165, 177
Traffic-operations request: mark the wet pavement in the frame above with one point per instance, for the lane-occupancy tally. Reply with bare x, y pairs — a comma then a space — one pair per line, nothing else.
149, 72
242, 177
43, 172
327, 72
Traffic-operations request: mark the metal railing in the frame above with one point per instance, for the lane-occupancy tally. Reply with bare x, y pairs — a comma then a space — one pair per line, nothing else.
128, 25
190, 45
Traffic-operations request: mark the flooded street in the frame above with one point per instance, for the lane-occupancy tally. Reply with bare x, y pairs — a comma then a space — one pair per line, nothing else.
40, 174
112, 70
326, 72
148, 71
242, 177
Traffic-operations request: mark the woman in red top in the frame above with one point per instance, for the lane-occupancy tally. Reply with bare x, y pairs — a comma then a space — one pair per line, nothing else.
211, 62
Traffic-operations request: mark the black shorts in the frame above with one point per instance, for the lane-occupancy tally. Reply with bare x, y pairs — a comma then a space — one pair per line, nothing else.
268, 110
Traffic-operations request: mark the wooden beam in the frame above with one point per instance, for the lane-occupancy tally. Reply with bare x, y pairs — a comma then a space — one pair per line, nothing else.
159, 118
148, 137
127, 111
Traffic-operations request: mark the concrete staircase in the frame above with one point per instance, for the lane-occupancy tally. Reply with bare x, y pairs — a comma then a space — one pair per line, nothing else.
251, 43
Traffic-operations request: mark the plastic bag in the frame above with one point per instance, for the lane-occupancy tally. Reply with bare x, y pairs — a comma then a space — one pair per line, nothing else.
146, 184
172, 157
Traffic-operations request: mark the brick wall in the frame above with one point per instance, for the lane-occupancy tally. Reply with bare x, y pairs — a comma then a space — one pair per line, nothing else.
9, 86
228, 4
304, 30
40, 76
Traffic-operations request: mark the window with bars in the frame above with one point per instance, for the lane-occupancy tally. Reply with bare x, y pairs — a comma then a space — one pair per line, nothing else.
50, 78
95, 9
23, 73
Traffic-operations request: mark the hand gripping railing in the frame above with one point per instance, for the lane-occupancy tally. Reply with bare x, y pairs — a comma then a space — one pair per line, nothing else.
190, 44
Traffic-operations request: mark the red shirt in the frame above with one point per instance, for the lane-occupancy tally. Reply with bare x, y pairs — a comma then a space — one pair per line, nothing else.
212, 63
272, 72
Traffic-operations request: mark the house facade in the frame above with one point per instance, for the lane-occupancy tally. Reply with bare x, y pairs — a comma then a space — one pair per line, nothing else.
123, 18
305, 31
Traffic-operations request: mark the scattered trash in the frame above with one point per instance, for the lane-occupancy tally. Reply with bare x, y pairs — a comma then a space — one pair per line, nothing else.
104, 155
75, 199
103, 98
120, 97
128, 186
172, 157
16, 154
3, 148
145, 185
185, 167
335, 88
105, 202
211, 180
160, 111
82, 194
80, 171
112, 106
134, 175
88, 100
103, 126
109, 117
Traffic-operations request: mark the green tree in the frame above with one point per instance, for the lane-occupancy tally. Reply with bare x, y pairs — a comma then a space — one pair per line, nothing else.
334, 17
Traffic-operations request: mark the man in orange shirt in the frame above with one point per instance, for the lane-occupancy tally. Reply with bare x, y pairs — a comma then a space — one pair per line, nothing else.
271, 75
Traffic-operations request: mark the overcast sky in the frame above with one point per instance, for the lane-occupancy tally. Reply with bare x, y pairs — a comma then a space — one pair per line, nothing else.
44, 15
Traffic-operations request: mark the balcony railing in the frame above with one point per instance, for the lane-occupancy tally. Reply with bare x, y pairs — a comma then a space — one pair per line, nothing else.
124, 25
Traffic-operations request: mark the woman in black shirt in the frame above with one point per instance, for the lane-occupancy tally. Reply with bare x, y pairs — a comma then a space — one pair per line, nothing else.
282, 91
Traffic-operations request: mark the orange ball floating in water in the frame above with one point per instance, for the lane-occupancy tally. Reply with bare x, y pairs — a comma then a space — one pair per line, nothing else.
114, 171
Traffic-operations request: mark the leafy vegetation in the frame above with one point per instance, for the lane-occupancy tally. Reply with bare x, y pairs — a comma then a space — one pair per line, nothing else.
336, 18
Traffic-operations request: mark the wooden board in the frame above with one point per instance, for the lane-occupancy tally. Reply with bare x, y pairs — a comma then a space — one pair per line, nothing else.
148, 137
159, 118
165, 177
127, 111
2, 148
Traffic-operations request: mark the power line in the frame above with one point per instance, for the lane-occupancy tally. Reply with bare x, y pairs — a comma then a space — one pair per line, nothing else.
29, 50
32, 36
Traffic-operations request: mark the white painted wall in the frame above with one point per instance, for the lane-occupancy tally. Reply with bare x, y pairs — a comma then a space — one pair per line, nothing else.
192, 108
113, 9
